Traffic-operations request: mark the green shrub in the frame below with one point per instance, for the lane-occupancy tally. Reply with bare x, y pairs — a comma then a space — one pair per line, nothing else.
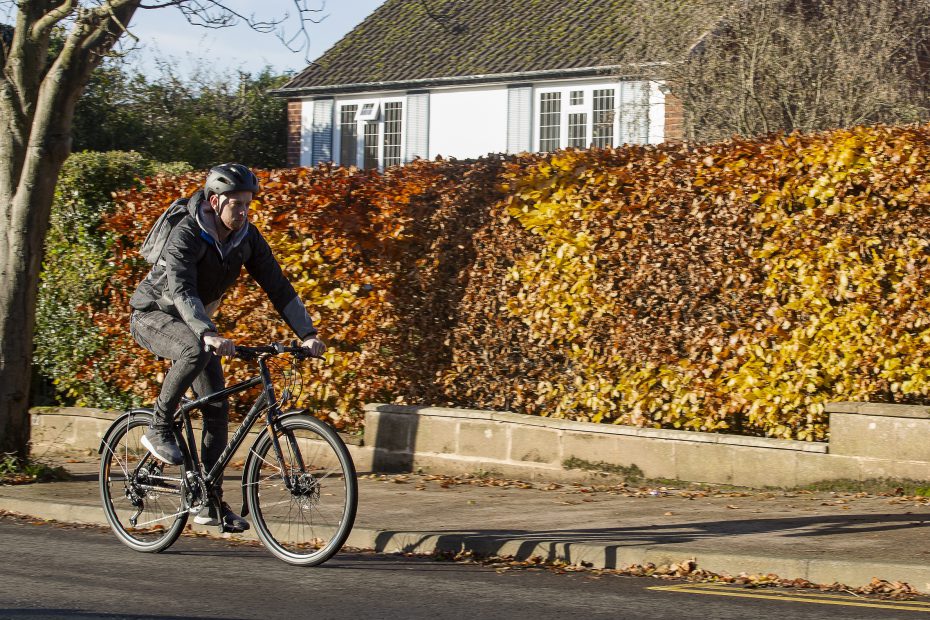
78, 263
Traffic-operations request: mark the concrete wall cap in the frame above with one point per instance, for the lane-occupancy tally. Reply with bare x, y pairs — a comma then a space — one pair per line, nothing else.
601, 429
81, 412
879, 409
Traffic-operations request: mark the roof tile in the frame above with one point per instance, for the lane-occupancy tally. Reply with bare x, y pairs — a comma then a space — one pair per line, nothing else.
401, 41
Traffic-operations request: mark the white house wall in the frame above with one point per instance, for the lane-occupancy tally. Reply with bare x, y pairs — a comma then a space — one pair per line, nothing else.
306, 133
468, 122
656, 113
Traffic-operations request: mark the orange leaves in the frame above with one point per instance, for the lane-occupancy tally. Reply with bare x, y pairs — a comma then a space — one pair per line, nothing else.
353, 243
735, 286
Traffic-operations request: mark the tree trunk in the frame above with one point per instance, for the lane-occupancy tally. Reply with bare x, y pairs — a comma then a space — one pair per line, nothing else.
37, 100
25, 222
20, 258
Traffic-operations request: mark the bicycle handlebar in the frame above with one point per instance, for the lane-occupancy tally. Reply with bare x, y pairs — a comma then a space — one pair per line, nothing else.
275, 348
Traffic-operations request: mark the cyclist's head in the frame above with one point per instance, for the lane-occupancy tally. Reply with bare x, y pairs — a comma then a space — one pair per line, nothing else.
230, 178
229, 189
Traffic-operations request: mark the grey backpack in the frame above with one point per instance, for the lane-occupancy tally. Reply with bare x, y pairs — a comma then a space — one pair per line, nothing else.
155, 241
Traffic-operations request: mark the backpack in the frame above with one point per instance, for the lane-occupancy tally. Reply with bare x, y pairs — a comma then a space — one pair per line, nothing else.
157, 237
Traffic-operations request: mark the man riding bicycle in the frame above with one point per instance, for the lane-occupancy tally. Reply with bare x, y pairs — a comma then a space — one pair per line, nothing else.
173, 306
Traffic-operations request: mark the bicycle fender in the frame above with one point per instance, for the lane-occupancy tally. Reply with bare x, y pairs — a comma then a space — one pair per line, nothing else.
126, 415
252, 450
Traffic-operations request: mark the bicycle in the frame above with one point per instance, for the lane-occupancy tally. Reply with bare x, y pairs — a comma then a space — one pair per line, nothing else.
298, 481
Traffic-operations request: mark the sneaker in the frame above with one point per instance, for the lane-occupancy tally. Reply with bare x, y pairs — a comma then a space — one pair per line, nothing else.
209, 515
163, 446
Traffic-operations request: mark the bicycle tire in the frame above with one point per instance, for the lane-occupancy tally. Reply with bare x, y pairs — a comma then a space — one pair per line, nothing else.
308, 523
133, 482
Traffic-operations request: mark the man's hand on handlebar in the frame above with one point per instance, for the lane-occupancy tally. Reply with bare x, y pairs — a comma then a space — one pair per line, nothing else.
314, 345
219, 345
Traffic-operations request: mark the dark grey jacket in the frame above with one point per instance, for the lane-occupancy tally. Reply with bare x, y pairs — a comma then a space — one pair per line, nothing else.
196, 269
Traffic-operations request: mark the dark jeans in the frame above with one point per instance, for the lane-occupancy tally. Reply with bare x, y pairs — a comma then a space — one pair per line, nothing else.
192, 367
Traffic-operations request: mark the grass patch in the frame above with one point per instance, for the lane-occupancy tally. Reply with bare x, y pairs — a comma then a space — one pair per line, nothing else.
873, 486
630, 473
14, 470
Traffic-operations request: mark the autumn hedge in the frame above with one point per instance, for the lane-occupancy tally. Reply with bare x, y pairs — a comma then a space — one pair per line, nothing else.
730, 287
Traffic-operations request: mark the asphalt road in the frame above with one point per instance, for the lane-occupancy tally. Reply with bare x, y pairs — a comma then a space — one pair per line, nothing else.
52, 571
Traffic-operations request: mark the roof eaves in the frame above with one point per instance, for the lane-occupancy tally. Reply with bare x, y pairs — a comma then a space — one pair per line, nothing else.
520, 76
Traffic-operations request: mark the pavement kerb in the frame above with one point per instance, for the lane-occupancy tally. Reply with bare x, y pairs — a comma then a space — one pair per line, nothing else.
595, 556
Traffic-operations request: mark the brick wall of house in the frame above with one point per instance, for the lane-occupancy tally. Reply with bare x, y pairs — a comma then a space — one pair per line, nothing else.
674, 118
294, 130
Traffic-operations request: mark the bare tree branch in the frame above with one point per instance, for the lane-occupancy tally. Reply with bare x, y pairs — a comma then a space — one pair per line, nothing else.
755, 66
44, 25
217, 14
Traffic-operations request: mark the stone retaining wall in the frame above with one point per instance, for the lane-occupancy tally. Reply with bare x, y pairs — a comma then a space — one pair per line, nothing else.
867, 441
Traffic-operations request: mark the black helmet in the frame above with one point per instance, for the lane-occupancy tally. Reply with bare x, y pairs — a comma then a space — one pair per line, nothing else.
230, 178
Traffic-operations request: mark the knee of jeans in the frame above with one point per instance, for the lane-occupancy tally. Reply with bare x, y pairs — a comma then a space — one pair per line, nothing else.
197, 355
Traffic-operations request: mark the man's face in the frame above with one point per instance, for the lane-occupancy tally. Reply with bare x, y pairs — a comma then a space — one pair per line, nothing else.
232, 208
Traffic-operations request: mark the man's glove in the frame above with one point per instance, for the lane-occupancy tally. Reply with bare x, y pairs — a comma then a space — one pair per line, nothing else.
219, 345
315, 346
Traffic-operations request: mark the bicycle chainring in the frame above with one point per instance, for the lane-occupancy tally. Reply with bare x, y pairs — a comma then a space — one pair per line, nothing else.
196, 494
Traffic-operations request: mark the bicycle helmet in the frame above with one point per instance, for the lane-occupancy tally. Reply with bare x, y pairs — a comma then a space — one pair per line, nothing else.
230, 178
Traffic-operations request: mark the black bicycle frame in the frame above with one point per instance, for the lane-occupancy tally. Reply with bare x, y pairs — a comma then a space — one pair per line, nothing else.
266, 399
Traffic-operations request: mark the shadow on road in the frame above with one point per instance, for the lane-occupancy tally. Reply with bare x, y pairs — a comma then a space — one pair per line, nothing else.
491, 541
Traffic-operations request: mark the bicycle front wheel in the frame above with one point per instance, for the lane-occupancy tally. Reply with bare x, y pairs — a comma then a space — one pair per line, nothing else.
302, 512
143, 498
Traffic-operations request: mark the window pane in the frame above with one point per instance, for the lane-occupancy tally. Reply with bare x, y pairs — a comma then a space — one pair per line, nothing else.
348, 146
550, 117
578, 130
577, 97
604, 117
393, 113
371, 145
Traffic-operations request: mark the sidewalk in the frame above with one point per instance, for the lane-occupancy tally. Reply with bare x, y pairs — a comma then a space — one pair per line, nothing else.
821, 537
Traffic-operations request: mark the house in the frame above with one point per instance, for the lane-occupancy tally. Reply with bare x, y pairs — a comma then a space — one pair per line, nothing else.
464, 78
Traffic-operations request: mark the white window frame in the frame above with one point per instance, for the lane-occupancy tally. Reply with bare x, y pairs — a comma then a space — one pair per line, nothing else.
362, 120
368, 115
587, 108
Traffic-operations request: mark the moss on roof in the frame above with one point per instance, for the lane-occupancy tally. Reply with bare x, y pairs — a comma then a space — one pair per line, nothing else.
401, 41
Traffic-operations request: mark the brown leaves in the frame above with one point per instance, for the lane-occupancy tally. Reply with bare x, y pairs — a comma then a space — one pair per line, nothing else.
728, 287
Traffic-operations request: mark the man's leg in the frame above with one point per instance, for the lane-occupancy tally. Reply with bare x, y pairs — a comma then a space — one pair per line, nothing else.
215, 438
215, 416
169, 337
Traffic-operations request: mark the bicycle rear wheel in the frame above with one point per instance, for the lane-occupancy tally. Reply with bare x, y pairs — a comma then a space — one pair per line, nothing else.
304, 512
143, 498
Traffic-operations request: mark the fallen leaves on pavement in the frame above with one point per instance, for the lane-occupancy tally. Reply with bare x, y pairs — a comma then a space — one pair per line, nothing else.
686, 570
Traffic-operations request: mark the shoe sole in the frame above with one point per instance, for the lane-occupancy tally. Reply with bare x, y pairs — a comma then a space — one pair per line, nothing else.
148, 446
214, 522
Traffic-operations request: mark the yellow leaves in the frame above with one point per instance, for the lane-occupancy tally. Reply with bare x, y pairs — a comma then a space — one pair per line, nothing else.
739, 285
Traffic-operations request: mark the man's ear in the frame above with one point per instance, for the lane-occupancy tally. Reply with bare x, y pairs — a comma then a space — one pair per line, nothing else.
214, 201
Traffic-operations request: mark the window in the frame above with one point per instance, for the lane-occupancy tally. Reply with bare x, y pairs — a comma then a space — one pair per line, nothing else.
592, 116
550, 121
369, 112
578, 130
604, 115
371, 133
348, 141
393, 115
371, 145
